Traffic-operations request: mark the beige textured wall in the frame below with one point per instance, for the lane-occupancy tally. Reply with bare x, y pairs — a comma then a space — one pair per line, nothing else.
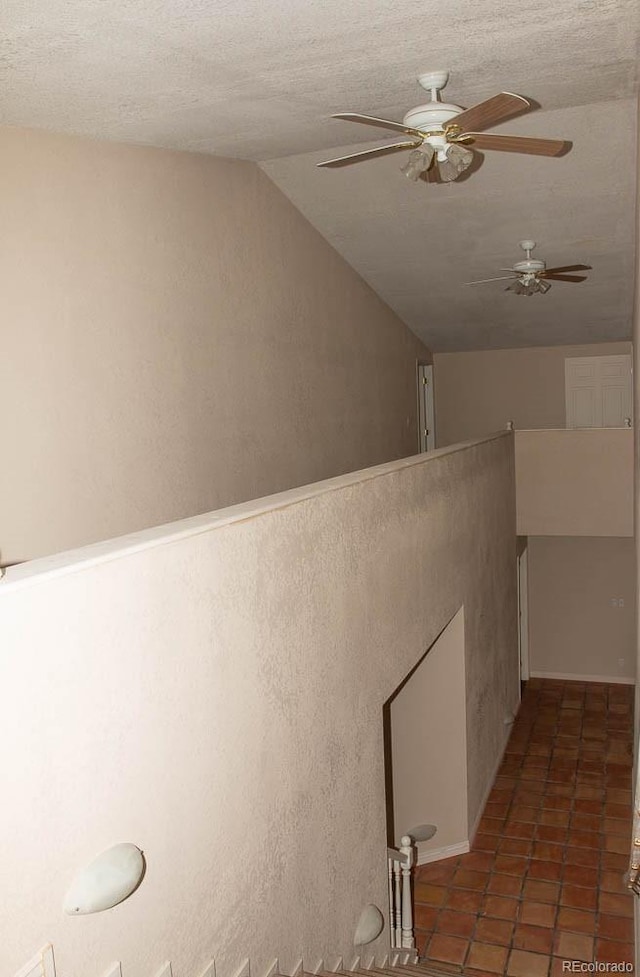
176, 337
479, 392
429, 781
573, 627
574, 482
214, 694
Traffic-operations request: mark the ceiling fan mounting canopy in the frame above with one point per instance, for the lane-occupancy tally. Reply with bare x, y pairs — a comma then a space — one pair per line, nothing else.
442, 135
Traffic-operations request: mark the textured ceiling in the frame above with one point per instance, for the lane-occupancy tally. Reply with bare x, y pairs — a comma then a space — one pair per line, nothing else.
259, 79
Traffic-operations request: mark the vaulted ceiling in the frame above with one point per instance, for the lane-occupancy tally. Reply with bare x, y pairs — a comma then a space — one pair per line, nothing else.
259, 79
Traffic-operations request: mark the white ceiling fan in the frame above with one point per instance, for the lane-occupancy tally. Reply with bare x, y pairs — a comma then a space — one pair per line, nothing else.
532, 275
443, 136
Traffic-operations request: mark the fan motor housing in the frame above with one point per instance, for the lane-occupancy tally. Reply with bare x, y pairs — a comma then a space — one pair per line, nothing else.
529, 267
431, 116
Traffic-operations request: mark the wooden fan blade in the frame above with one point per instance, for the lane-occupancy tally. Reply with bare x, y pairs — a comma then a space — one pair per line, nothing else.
564, 278
483, 281
369, 153
561, 271
519, 144
371, 120
489, 113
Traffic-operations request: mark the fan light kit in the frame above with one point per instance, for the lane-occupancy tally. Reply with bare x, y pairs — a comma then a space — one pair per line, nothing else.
443, 136
531, 276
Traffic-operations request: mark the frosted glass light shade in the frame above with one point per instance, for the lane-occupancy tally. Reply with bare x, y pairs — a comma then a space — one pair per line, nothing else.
418, 163
109, 879
370, 925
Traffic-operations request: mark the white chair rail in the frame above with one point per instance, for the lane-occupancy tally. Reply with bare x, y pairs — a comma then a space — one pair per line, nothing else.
400, 895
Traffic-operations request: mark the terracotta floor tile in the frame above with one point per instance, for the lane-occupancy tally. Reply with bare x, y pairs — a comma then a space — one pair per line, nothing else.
486, 843
491, 826
617, 843
466, 879
586, 839
546, 832
586, 857
431, 895
557, 803
515, 846
437, 873
483, 956
615, 928
573, 946
578, 897
538, 913
490, 930
617, 796
477, 861
553, 841
612, 810
586, 806
456, 924
615, 905
496, 810
576, 921
547, 852
559, 790
525, 964
463, 900
519, 829
609, 952
520, 812
547, 871
425, 916
614, 861
504, 885
541, 891
617, 826
449, 949
538, 939
511, 865
555, 819
613, 882
585, 822
501, 907
579, 875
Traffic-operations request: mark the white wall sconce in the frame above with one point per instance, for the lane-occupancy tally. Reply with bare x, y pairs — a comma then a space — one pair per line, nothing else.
106, 881
370, 926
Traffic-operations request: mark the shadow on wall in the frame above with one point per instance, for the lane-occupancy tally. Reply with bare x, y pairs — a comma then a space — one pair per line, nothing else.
425, 749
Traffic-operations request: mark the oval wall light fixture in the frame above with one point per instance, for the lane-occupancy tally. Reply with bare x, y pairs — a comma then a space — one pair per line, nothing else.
370, 925
109, 879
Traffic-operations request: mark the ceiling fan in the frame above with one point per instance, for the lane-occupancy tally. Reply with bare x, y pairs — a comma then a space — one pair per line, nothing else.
532, 275
443, 136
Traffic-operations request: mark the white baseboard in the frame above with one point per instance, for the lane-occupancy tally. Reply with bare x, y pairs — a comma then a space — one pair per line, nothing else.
435, 854
566, 677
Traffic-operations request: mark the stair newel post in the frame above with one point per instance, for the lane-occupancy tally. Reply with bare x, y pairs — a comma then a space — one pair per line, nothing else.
407, 938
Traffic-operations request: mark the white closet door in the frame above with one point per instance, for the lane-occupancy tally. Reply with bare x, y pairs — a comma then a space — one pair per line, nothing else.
598, 390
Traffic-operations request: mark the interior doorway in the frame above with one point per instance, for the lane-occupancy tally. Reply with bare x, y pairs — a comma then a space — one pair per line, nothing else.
523, 609
426, 409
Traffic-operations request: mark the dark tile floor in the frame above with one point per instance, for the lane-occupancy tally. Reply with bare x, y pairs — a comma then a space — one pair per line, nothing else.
544, 881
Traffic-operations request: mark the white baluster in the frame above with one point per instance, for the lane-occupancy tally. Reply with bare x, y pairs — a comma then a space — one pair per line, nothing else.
397, 904
391, 912
407, 938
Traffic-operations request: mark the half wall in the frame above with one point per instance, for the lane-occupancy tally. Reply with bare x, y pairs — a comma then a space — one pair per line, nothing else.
212, 691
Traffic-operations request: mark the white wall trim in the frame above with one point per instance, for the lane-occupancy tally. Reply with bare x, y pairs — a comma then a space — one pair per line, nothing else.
435, 854
566, 677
